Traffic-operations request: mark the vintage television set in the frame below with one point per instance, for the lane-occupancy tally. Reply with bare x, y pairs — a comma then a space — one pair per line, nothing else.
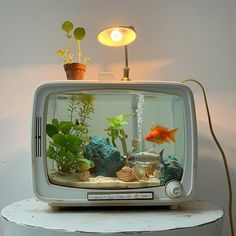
114, 143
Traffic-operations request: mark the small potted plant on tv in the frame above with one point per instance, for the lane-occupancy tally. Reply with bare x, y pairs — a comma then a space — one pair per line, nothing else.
74, 70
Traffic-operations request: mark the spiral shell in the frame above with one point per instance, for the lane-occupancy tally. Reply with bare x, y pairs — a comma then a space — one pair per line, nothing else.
126, 174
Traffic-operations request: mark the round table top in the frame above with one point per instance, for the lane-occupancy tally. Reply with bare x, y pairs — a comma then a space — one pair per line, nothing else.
32, 212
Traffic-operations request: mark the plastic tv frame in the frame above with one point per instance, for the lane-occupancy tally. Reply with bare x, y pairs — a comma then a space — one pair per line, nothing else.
161, 170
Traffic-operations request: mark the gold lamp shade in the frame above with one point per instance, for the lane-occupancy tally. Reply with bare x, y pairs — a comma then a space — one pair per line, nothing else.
117, 36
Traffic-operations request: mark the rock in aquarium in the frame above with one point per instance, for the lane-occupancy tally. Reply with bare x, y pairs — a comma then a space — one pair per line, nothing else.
171, 169
107, 159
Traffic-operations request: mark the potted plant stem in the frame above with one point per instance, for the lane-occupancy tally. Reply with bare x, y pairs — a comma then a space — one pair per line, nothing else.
74, 70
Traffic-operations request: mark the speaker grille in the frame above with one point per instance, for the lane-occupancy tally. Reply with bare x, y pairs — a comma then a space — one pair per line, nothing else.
38, 136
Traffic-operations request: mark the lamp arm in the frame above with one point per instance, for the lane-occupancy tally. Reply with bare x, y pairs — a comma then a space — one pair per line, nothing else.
126, 69
126, 56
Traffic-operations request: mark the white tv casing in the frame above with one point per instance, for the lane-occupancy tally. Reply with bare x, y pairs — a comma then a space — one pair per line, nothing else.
57, 195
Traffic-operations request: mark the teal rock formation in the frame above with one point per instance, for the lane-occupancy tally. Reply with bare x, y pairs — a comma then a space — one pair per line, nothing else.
171, 169
107, 159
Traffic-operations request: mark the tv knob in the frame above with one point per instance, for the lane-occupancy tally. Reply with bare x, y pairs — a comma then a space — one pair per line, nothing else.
174, 189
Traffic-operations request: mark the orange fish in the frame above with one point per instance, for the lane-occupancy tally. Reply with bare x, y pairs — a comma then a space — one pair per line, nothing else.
160, 134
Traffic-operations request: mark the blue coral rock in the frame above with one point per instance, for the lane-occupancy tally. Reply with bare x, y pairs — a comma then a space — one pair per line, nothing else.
171, 169
107, 159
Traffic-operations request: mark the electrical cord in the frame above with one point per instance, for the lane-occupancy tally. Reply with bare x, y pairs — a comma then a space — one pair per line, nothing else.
230, 203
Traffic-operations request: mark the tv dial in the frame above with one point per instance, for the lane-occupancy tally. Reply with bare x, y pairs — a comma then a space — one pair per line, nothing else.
174, 189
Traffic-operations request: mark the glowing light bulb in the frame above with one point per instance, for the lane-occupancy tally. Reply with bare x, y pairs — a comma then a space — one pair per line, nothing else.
116, 35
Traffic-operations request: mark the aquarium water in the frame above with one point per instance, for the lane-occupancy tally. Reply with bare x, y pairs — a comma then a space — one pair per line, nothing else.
114, 139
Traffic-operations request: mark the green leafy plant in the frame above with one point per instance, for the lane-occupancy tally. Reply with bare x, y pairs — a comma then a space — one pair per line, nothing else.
115, 130
79, 33
69, 138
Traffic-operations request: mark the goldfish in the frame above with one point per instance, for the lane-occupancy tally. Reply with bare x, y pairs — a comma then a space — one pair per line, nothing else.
160, 134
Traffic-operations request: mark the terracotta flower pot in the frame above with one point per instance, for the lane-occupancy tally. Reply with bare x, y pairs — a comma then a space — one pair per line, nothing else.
75, 71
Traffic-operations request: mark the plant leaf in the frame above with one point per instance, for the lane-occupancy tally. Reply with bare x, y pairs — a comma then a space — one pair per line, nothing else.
61, 52
79, 127
65, 126
73, 139
123, 123
50, 152
59, 139
128, 114
55, 122
51, 130
91, 164
79, 33
110, 119
67, 26
73, 143
119, 118
84, 164
69, 155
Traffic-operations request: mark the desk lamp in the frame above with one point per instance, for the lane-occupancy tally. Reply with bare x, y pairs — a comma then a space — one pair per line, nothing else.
119, 36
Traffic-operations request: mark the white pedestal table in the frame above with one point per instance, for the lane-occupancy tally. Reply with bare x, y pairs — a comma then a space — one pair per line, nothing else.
31, 217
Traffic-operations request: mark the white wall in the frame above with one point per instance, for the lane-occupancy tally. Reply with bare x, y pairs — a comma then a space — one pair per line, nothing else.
176, 40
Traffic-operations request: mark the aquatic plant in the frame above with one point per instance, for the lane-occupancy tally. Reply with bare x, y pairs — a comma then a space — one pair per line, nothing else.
79, 33
115, 130
83, 106
67, 146
69, 138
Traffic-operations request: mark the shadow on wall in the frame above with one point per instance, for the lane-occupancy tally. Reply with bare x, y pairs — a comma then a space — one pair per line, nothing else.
211, 170
142, 70
211, 176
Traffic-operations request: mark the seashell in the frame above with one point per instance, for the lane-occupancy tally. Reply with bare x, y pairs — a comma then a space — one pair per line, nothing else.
145, 172
140, 172
126, 174
150, 170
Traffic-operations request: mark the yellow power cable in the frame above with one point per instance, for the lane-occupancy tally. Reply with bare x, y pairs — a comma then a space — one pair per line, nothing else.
230, 203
